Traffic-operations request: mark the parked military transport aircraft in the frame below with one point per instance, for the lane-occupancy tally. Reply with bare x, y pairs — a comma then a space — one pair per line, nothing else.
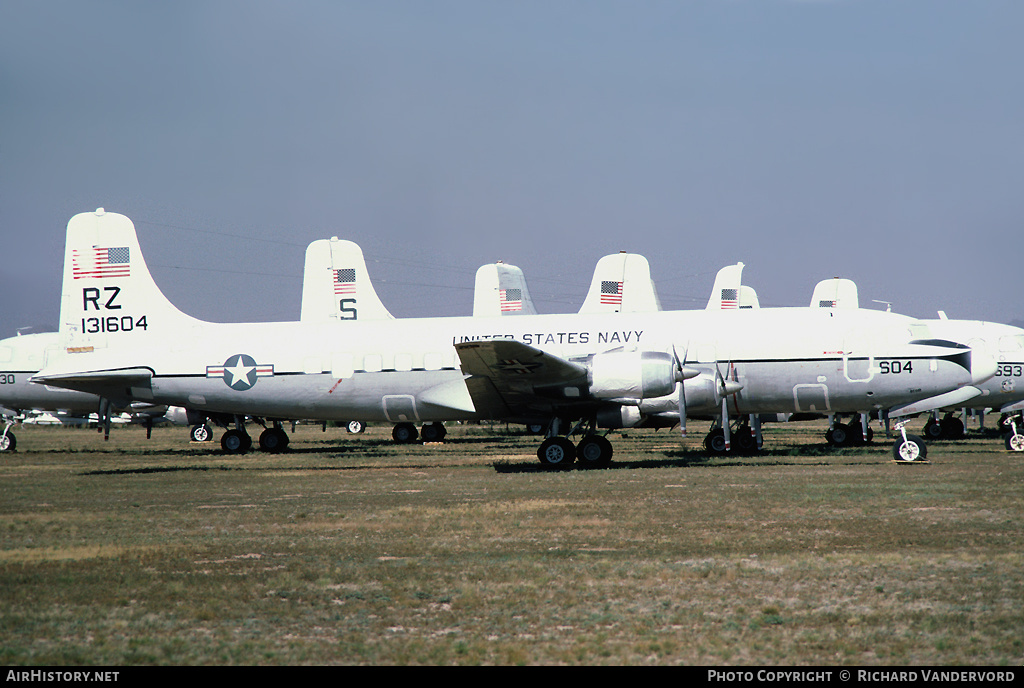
126, 342
23, 356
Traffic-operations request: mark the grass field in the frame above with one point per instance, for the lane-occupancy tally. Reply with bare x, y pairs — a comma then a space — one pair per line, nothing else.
349, 549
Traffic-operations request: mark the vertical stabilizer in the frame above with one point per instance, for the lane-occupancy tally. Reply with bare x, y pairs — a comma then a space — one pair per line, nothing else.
622, 284
748, 297
336, 285
108, 295
500, 289
835, 293
728, 293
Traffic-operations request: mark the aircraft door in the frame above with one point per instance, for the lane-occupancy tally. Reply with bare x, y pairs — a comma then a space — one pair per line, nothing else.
811, 398
400, 408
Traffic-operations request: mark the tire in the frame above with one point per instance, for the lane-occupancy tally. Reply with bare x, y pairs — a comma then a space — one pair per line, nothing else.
557, 452
201, 433
273, 440
594, 451
914, 449
235, 442
1014, 442
714, 441
433, 432
952, 428
405, 433
838, 436
8, 442
355, 427
932, 430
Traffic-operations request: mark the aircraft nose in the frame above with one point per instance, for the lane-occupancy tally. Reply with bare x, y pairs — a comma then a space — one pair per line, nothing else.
983, 365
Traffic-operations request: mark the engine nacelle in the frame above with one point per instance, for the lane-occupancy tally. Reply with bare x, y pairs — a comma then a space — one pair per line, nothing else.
618, 418
632, 375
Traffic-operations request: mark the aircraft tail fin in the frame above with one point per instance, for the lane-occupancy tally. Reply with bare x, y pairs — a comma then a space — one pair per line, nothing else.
336, 284
748, 297
728, 289
622, 284
500, 289
835, 293
108, 294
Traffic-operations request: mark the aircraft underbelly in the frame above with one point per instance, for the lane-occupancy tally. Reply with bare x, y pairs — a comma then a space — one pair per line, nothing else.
392, 396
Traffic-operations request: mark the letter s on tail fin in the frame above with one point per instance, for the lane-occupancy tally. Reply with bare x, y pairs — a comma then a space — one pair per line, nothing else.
336, 285
108, 295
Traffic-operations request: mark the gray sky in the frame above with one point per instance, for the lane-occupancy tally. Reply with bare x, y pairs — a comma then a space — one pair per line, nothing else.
878, 140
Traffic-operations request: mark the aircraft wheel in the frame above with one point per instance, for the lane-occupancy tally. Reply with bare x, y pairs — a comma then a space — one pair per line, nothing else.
557, 451
535, 428
1015, 442
838, 436
8, 442
952, 428
235, 442
913, 449
405, 433
932, 429
714, 441
201, 433
745, 441
355, 427
433, 432
594, 451
273, 440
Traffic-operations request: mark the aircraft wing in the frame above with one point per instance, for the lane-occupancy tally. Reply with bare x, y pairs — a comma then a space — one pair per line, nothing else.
511, 379
106, 383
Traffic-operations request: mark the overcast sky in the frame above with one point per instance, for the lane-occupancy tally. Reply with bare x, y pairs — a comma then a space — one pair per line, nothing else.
878, 140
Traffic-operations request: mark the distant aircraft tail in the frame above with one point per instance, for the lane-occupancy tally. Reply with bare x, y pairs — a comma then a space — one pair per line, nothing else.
835, 293
622, 284
336, 284
108, 295
728, 289
500, 289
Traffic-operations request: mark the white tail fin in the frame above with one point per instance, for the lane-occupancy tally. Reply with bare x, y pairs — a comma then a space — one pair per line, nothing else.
622, 284
108, 295
748, 297
835, 293
336, 285
728, 290
500, 289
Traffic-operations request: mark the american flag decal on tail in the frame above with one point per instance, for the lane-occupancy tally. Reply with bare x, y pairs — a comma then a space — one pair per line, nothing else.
511, 300
344, 281
100, 263
730, 299
611, 293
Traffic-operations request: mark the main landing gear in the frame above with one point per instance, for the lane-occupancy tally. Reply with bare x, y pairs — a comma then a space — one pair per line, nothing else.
948, 428
236, 440
853, 434
558, 451
406, 433
741, 439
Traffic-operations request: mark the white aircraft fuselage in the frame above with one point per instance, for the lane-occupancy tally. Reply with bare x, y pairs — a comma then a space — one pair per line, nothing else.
787, 360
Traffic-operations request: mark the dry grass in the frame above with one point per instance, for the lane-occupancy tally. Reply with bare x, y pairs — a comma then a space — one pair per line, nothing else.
352, 550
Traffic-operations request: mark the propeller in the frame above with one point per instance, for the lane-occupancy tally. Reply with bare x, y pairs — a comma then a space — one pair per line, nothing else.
683, 373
